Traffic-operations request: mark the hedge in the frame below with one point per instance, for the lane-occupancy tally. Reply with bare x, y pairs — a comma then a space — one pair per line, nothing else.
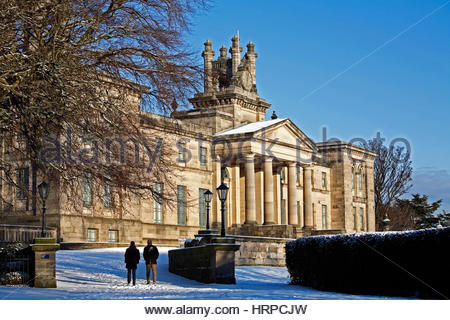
408, 263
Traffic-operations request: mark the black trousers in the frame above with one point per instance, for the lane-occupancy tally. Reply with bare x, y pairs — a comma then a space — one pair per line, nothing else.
134, 275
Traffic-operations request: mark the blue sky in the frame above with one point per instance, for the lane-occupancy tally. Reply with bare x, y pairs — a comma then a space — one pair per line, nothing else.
355, 67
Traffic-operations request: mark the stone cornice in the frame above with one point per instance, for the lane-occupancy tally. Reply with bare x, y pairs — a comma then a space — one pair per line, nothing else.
222, 99
342, 146
173, 125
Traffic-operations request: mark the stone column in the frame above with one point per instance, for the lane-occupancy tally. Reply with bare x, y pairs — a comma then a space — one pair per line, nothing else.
236, 192
259, 194
45, 262
292, 194
268, 192
307, 197
277, 197
300, 181
250, 197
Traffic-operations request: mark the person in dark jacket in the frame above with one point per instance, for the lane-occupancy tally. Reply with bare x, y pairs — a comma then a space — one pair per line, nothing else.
132, 257
151, 254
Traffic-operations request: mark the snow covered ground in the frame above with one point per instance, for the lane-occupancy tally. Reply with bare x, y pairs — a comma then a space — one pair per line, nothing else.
101, 274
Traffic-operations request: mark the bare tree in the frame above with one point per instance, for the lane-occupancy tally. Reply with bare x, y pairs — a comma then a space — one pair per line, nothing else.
392, 177
75, 78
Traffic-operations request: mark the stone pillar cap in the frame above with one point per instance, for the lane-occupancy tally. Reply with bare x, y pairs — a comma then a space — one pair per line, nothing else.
250, 47
223, 51
208, 49
208, 45
235, 46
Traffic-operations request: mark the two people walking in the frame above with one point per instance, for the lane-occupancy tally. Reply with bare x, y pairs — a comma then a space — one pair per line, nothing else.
132, 257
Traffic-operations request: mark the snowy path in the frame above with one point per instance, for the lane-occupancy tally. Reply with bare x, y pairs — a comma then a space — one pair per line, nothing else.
101, 274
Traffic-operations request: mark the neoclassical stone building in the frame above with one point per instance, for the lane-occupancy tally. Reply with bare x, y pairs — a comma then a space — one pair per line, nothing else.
281, 183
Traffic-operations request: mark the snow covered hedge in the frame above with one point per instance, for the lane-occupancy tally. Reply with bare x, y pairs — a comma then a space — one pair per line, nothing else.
411, 263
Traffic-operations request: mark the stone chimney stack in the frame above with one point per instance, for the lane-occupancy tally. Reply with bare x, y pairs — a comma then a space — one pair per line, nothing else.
235, 51
251, 57
223, 52
208, 56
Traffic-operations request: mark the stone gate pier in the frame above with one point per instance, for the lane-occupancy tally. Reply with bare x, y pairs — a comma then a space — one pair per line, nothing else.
45, 262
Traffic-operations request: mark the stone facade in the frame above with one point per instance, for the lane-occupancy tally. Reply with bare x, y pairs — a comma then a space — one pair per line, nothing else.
281, 183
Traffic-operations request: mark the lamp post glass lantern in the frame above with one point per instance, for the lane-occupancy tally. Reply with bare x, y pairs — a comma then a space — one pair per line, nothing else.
222, 192
44, 189
208, 197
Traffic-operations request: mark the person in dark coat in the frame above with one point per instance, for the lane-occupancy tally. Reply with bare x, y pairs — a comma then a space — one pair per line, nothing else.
151, 254
132, 257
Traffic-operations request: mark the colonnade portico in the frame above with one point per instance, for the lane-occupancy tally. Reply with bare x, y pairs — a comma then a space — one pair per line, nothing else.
270, 196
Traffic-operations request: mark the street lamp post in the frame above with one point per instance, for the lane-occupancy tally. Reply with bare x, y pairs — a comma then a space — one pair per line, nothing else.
386, 221
44, 189
222, 192
208, 197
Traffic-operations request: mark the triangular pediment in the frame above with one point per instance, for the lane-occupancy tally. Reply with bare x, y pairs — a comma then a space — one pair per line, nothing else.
286, 132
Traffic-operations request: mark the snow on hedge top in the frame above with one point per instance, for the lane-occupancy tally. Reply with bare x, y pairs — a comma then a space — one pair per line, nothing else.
248, 127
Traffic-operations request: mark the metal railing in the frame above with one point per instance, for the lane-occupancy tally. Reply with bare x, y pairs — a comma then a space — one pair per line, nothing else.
16, 264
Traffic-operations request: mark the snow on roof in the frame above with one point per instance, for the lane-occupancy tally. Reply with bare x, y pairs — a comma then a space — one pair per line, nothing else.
248, 127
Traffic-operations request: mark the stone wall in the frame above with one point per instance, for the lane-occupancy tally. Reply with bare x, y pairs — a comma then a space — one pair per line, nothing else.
92, 245
101, 245
75, 228
167, 234
260, 251
210, 263
272, 231
266, 250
